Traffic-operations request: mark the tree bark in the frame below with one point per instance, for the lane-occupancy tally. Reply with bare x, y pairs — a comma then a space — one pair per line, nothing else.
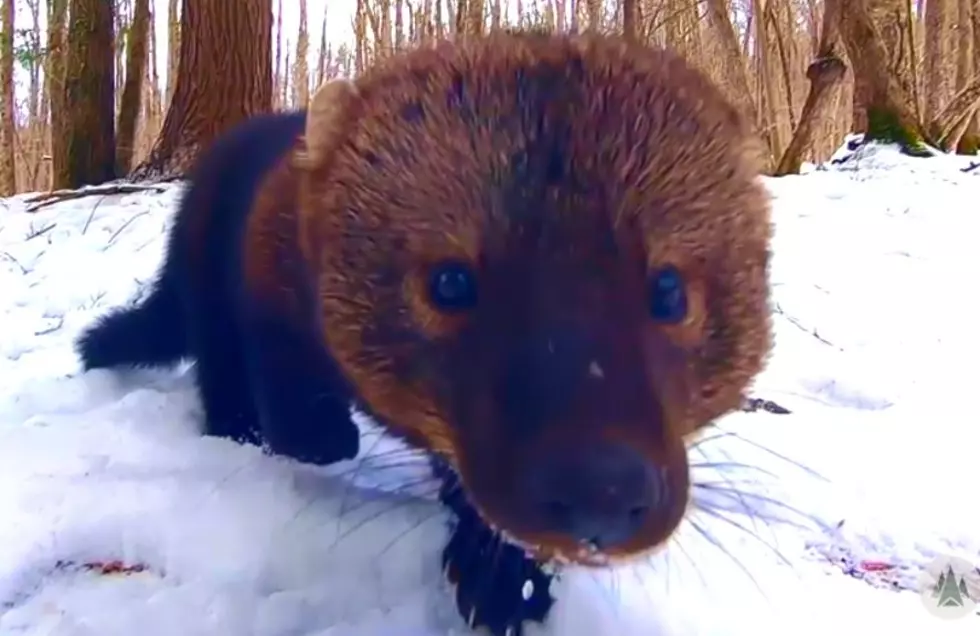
301, 69
54, 80
89, 97
734, 71
629, 19
937, 44
37, 104
129, 107
173, 47
8, 128
769, 93
890, 21
224, 77
968, 63
278, 74
956, 113
887, 101
825, 74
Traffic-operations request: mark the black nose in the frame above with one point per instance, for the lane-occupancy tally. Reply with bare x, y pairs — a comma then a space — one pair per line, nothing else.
600, 495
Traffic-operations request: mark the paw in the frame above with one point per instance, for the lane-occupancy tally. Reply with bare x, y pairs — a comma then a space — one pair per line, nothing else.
497, 586
317, 436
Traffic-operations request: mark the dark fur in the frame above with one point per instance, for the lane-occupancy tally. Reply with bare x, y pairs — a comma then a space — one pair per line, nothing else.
563, 170
200, 307
256, 372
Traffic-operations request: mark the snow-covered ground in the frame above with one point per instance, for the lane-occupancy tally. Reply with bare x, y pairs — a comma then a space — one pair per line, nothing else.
875, 280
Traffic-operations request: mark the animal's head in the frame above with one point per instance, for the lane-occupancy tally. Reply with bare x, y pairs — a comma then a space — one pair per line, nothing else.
543, 258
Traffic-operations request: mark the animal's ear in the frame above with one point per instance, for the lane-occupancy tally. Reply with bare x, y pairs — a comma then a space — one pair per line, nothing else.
325, 117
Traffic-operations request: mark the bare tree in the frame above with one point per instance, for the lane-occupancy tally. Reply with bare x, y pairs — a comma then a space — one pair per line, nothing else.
129, 107
629, 19
279, 73
965, 137
224, 76
173, 46
883, 95
301, 75
733, 65
825, 73
89, 96
936, 54
8, 127
54, 78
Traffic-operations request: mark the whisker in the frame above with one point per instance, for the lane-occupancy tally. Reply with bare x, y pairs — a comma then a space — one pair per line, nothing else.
347, 489
406, 489
395, 506
408, 531
380, 467
736, 493
735, 524
777, 455
720, 434
717, 544
690, 559
730, 465
703, 503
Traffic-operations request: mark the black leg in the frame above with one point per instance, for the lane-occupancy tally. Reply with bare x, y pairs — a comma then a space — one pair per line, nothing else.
222, 381
304, 409
497, 586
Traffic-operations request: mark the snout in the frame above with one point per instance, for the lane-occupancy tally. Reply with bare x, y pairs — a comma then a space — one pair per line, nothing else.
602, 495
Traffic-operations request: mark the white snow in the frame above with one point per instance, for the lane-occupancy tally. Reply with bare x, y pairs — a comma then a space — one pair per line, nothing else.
875, 280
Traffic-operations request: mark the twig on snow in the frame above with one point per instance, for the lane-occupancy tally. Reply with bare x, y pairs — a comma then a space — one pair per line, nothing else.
10, 257
122, 227
36, 233
52, 328
56, 196
798, 325
970, 168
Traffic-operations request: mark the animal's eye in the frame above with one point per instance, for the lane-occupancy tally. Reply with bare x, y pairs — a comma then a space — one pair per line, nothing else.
668, 296
452, 287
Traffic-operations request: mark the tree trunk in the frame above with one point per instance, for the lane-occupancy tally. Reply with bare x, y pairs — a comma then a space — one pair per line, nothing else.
937, 44
89, 96
891, 22
888, 103
787, 57
301, 75
8, 129
54, 79
34, 64
278, 74
956, 113
129, 107
321, 65
224, 77
593, 10
768, 93
399, 25
360, 33
968, 63
122, 23
475, 18
173, 48
629, 19
733, 68
825, 74
37, 105
154, 106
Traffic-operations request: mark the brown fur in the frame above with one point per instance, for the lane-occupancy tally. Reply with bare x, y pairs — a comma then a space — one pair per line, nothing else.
428, 160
